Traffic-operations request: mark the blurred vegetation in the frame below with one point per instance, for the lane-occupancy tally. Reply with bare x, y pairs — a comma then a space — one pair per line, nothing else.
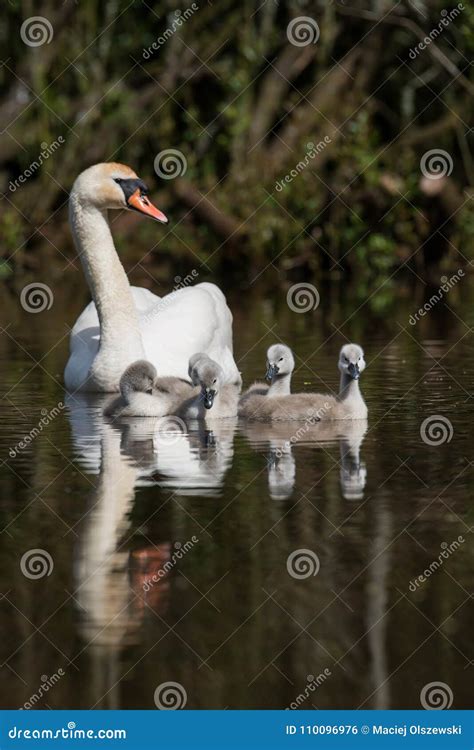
229, 90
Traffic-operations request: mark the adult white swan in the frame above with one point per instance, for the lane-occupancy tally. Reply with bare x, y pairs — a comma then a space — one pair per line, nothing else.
125, 323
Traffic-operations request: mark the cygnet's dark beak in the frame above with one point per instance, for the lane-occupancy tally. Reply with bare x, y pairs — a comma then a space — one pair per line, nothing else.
272, 371
210, 439
272, 460
354, 371
208, 397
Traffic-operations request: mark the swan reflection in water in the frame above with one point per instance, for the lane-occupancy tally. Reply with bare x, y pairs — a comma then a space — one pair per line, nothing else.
281, 437
189, 458
111, 582
111, 591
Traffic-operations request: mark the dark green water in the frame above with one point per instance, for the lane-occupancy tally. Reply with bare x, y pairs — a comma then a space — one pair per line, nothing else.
374, 504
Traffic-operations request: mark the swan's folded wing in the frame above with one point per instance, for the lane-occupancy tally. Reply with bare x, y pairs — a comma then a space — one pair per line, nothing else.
173, 328
83, 347
185, 322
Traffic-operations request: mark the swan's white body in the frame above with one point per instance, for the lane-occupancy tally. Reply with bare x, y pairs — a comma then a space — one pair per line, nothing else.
126, 323
169, 331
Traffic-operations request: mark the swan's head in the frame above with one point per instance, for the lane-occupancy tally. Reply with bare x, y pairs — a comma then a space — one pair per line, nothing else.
113, 185
280, 361
209, 376
351, 361
140, 376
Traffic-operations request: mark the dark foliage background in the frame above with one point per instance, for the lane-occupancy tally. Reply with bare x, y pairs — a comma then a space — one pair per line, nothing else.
229, 90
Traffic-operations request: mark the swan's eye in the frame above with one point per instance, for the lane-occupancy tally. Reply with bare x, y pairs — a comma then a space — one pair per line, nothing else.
281, 359
131, 185
214, 381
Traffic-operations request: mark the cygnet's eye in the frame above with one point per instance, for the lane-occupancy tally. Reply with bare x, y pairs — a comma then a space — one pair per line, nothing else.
281, 359
214, 381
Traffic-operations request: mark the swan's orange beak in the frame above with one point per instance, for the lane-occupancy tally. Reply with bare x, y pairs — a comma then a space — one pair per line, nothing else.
140, 202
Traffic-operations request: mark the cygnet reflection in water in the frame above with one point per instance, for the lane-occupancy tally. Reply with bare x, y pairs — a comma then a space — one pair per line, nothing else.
189, 458
282, 437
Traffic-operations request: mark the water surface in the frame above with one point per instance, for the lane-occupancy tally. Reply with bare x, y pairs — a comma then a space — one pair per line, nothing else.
113, 503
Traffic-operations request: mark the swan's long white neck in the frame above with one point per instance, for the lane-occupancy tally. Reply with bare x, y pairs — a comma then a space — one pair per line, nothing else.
120, 339
105, 275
